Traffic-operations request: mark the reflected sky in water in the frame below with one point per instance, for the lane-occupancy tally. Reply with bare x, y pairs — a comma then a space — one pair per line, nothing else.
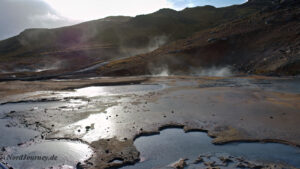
94, 91
68, 153
158, 151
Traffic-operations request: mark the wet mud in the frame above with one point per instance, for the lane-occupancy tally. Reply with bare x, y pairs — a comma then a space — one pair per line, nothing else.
110, 118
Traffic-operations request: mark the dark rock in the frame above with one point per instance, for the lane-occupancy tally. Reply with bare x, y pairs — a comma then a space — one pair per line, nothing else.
180, 164
90, 163
210, 164
198, 160
176, 51
79, 165
241, 165
211, 40
87, 128
282, 1
225, 160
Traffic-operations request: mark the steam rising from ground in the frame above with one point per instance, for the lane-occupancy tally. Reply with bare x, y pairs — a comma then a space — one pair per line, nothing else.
159, 71
212, 71
157, 42
154, 43
34, 68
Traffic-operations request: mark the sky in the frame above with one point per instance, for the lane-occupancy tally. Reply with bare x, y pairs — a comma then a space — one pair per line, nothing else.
17, 15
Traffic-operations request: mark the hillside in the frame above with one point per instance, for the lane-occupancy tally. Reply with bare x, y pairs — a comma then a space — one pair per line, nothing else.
260, 37
113, 37
267, 42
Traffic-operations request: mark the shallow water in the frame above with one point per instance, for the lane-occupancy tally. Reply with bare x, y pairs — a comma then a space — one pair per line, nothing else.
11, 136
286, 85
113, 90
172, 144
98, 127
291, 85
66, 153
28, 106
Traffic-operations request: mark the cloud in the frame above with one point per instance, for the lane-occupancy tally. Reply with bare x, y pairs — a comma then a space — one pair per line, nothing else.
95, 9
17, 15
180, 4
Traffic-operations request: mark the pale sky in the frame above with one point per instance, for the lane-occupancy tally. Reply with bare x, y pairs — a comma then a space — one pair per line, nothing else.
17, 15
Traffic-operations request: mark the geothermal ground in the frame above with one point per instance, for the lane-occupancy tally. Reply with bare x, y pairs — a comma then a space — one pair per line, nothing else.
152, 122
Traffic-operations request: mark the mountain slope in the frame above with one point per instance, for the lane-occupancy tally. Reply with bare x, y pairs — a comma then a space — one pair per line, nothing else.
73, 47
267, 42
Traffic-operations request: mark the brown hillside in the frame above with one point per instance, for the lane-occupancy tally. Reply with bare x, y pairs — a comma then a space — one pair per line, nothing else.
267, 42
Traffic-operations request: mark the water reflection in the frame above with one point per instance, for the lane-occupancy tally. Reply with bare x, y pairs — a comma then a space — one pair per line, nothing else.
93, 128
94, 91
57, 153
28, 106
173, 144
11, 136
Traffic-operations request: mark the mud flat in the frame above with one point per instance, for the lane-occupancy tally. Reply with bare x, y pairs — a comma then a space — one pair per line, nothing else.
111, 114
